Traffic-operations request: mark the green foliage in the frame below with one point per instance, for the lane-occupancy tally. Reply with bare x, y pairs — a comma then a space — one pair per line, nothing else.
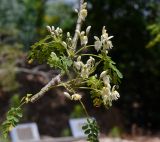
14, 101
109, 65
61, 52
95, 85
14, 114
9, 54
91, 129
12, 118
155, 32
41, 50
62, 62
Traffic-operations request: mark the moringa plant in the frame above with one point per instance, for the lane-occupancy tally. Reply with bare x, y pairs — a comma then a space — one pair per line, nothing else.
63, 52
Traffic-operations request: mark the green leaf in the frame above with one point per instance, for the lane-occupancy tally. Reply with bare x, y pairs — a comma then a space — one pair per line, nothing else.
41, 50
116, 70
84, 127
87, 131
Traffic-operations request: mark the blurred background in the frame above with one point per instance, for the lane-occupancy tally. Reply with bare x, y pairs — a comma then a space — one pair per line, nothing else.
135, 25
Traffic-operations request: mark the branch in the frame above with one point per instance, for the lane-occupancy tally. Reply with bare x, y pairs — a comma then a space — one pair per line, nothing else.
56, 80
78, 26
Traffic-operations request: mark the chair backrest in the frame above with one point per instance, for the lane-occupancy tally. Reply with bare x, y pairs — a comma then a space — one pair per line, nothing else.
76, 127
25, 133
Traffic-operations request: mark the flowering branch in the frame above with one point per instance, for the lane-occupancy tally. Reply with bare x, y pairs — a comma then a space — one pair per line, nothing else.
81, 16
61, 53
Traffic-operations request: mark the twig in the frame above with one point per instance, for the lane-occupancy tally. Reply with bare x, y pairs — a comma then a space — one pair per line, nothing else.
56, 80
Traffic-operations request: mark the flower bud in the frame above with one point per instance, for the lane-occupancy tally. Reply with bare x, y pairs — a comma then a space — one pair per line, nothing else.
83, 14
88, 30
76, 97
64, 44
49, 28
103, 74
67, 95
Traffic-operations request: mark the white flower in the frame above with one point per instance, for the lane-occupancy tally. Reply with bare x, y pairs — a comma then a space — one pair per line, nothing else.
79, 58
88, 30
84, 5
83, 14
85, 71
76, 97
53, 28
110, 45
78, 65
68, 35
97, 43
107, 44
106, 81
90, 62
114, 94
64, 44
49, 28
104, 73
53, 54
76, 10
84, 40
106, 91
67, 95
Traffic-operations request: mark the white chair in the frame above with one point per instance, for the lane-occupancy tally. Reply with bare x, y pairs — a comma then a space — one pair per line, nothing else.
25, 133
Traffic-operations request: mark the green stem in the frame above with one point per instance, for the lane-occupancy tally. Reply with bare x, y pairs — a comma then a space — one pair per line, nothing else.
91, 55
89, 88
84, 108
84, 48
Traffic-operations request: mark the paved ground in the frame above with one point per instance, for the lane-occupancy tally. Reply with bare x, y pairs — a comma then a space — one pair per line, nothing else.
136, 139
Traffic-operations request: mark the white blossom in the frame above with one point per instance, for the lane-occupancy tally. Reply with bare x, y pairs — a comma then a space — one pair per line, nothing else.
83, 14
90, 62
88, 30
49, 28
106, 91
68, 35
67, 95
84, 40
106, 81
85, 72
97, 45
79, 58
114, 94
64, 44
76, 10
103, 74
104, 42
76, 97
77, 65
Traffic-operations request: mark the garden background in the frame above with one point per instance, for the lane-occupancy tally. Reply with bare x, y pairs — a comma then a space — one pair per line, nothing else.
135, 25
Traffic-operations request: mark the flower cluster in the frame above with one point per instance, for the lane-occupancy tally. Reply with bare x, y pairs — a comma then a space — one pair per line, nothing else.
108, 94
84, 35
83, 12
85, 69
55, 32
105, 43
75, 97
